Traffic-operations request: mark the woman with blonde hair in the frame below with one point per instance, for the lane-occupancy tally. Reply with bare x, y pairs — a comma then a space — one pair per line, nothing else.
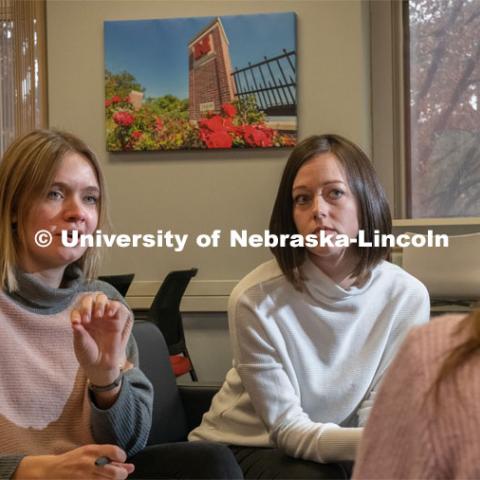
73, 401
426, 420
59, 403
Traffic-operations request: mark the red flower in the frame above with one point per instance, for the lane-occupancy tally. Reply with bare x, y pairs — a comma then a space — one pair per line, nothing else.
229, 126
123, 119
213, 124
107, 103
257, 136
158, 123
136, 134
217, 124
116, 99
229, 109
215, 131
220, 139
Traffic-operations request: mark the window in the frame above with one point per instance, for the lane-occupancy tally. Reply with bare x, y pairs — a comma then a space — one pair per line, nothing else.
22, 68
443, 116
425, 103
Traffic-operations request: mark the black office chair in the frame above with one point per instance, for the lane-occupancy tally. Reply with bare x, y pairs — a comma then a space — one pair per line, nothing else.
120, 282
165, 314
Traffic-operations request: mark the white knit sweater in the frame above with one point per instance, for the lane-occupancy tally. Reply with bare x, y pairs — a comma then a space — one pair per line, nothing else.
306, 364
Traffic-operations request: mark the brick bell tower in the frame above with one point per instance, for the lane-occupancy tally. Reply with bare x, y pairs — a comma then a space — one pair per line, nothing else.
210, 82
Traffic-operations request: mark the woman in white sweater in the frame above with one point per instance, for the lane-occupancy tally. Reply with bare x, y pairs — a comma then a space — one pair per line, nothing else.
314, 330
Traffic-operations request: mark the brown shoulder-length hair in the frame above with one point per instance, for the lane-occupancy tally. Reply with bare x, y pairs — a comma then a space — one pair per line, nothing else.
27, 171
461, 353
374, 212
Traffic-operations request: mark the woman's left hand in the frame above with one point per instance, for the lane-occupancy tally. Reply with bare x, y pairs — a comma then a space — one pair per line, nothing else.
101, 328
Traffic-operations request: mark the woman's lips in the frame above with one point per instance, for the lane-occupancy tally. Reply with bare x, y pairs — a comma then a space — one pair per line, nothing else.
69, 234
328, 231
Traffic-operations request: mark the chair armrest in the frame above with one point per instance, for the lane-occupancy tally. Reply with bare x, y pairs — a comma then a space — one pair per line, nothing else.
196, 401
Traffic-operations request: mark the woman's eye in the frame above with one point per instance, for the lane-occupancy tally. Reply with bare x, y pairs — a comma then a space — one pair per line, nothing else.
54, 195
91, 199
336, 193
301, 199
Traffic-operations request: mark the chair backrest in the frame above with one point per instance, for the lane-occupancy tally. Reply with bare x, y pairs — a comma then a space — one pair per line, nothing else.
169, 420
165, 309
120, 282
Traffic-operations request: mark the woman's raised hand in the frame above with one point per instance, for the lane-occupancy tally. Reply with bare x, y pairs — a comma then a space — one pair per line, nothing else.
76, 464
101, 328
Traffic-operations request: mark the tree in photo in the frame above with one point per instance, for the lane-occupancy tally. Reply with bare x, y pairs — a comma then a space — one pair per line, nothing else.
120, 84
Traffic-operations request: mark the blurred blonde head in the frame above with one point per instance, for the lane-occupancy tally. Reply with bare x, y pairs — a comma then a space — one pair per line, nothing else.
27, 171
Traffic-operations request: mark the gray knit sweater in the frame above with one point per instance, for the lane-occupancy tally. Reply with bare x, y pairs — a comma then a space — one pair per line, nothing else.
45, 406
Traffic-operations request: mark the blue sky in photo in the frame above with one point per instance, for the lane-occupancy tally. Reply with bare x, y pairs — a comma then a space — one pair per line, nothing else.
156, 53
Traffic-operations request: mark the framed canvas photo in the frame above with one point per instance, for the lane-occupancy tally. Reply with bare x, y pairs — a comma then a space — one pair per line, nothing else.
201, 83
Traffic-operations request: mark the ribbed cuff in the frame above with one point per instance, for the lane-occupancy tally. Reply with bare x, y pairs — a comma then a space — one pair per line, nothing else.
8, 465
127, 422
339, 444
115, 420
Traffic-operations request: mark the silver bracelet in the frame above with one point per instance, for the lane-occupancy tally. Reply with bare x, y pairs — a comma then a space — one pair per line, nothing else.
106, 388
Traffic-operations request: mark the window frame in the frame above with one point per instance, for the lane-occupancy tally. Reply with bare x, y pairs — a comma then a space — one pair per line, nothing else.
389, 93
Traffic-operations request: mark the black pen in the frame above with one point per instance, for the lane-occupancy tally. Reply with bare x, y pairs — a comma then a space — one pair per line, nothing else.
102, 461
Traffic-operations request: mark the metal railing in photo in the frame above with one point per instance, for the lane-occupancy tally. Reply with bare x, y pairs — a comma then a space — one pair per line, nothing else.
272, 82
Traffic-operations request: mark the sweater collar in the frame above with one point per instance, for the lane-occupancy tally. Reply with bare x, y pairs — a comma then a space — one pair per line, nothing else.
320, 285
36, 295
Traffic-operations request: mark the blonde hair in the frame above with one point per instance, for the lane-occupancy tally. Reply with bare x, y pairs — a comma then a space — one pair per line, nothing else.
27, 171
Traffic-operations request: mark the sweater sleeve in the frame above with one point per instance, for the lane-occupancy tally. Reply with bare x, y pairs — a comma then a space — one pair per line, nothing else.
127, 422
8, 465
275, 399
396, 435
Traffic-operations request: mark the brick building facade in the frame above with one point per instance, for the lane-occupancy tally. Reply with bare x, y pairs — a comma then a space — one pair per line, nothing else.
210, 80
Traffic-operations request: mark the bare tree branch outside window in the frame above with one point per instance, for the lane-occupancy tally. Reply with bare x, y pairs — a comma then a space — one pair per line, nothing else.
444, 66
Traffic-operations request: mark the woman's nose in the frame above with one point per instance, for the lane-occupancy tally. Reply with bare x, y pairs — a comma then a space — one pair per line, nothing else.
320, 206
74, 210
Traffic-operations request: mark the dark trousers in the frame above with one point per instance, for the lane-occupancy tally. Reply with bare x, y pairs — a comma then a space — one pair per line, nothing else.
185, 460
269, 463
